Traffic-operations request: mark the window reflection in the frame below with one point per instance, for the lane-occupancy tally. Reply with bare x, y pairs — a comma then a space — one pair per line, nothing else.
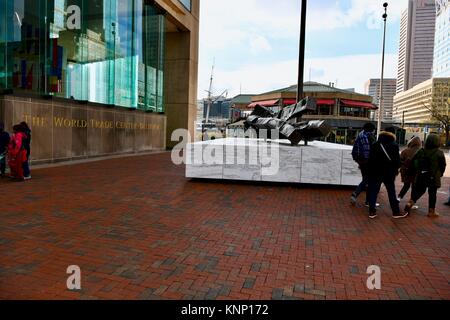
109, 51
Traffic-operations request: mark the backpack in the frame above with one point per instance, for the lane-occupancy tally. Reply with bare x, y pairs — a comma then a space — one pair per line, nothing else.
423, 166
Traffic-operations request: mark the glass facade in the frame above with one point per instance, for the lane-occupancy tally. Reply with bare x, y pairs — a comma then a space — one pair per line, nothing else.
104, 51
441, 66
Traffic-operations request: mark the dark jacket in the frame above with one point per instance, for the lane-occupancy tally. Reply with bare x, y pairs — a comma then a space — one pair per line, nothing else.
406, 159
4, 141
27, 142
361, 147
384, 164
430, 163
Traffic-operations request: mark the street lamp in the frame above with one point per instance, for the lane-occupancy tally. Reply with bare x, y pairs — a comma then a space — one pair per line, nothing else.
381, 99
301, 55
403, 118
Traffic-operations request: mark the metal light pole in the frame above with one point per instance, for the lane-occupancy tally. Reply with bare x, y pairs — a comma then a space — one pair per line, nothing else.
301, 55
381, 99
403, 118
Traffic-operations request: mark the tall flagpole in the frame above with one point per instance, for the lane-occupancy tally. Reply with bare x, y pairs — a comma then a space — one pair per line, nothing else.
301, 55
381, 98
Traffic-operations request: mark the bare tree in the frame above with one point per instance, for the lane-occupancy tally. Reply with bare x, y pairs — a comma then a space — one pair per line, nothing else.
441, 113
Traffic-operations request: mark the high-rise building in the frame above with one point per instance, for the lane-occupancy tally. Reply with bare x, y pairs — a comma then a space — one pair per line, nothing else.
414, 105
441, 64
416, 47
372, 88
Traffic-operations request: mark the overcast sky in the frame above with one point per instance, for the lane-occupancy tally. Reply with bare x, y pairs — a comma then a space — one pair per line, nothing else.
255, 43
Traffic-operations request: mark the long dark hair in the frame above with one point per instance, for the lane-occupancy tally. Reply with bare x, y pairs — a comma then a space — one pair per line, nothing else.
25, 127
17, 128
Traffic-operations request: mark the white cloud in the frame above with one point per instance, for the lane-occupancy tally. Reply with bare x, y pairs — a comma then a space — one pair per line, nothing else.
259, 44
360, 11
346, 71
233, 21
250, 26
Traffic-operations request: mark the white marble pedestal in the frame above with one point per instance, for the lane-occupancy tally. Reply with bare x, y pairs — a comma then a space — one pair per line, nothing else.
276, 161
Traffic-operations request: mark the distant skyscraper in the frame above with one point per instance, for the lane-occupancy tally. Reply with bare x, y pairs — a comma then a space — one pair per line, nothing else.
416, 48
372, 88
441, 66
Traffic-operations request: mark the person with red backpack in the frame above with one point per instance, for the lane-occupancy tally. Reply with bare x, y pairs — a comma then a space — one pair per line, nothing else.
16, 153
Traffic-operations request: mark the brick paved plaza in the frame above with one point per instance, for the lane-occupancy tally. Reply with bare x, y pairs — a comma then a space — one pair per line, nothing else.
139, 230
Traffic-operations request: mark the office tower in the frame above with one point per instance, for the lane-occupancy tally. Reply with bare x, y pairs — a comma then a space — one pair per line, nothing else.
441, 64
389, 88
416, 47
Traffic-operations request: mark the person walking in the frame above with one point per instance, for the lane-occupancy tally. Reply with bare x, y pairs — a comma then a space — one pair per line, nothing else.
430, 164
360, 154
16, 153
407, 171
4, 141
27, 146
383, 165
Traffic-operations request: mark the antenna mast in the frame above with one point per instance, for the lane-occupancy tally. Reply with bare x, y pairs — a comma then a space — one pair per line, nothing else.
210, 94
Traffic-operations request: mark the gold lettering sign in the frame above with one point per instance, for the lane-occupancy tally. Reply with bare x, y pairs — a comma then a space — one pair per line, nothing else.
61, 122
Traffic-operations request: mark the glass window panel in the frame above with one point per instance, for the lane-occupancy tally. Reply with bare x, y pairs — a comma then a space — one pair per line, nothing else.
22, 47
97, 50
105, 51
154, 59
186, 4
6, 17
124, 54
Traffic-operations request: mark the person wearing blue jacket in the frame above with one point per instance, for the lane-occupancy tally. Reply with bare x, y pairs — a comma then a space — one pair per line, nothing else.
360, 154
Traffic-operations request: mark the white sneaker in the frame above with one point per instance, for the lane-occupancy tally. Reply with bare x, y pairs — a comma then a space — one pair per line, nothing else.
376, 205
27, 178
415, 207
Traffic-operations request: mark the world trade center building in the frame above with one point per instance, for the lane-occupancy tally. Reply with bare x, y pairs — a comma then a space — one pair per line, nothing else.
98, 77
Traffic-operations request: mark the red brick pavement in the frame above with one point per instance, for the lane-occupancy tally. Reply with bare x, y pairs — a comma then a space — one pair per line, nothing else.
139, 230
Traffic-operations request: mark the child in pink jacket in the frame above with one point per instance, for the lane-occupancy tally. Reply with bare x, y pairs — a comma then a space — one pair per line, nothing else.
16, 153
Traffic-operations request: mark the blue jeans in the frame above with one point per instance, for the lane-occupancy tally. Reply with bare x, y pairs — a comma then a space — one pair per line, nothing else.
374, 188
364, 183
26, 168
3, 165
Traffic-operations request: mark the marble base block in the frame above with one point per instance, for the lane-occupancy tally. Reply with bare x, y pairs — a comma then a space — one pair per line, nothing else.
273, 161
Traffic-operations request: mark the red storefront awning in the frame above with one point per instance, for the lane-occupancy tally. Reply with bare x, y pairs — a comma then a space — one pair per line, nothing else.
328, 102
288, 102
359, 104
265, 103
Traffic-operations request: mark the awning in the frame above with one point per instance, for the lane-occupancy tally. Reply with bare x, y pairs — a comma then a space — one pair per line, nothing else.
360, 104
328, 102
266, 103
288, 102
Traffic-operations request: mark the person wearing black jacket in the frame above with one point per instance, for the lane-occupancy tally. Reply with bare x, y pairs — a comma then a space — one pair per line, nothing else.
384, 165
27, 146
4, 141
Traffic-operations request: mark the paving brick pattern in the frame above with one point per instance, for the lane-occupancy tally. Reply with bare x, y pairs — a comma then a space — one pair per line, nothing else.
139, 230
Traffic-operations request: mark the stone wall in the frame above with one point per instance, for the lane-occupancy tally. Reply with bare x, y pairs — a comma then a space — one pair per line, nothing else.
63, 130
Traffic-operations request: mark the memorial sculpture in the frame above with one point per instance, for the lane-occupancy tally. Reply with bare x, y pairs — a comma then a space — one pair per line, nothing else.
288, 122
